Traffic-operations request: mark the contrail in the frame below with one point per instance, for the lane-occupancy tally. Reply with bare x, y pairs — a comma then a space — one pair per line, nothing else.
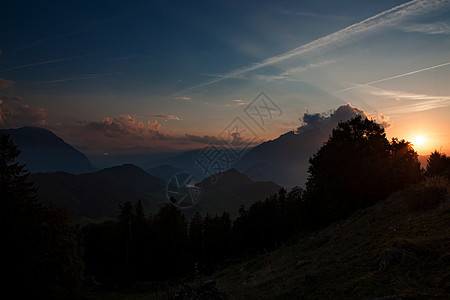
382, 20
48, 62
393, 77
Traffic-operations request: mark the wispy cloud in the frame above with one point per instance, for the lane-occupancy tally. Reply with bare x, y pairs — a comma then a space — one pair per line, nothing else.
183, 98
386, 19
81, 77
399, 95
415, 102
290, 74
314, 15
50, 38
87, 27
431, 28
237, 102
167, 117
394, 77
417, 107
51, 61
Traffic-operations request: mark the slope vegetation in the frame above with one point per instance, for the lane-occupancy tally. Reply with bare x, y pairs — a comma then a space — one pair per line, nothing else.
383, 251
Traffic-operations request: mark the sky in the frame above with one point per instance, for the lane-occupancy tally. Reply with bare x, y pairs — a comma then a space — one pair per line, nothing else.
161, 75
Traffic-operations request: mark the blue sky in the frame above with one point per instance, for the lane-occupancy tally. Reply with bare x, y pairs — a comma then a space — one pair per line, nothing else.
175, 73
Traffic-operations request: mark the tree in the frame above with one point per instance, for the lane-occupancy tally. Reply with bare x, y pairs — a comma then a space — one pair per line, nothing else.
405, 165
355, 168
196, 237
438, 164
41, 251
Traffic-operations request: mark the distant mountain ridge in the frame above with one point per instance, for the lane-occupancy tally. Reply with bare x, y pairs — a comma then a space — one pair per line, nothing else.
43, 151
229, 190
96, 196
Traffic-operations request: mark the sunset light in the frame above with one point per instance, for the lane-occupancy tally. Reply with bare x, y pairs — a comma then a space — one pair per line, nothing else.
150, 147
419, 140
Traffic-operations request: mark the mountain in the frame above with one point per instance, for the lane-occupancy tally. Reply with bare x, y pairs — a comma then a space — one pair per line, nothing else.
165, 172
285, 160
231, 189
96, 196
43, 151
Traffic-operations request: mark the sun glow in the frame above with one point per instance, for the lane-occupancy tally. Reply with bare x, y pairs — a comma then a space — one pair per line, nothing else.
418, 140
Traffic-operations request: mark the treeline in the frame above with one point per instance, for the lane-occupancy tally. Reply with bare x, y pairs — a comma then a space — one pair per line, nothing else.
135, 247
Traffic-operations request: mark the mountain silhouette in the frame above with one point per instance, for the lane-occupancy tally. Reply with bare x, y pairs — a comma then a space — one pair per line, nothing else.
229, 190
165, 172
285, 160
96, 196
43, 151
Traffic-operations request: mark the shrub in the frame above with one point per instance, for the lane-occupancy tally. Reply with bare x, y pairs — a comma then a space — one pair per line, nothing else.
426, 195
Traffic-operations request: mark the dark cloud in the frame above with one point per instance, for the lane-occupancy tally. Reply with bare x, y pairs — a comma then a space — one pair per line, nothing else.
21, 115
325, 122
11, 98
4, 84
125, 125
126, 131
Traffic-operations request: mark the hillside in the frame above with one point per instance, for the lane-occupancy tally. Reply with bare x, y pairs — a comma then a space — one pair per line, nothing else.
96, 196
231, 190
382, 251
43, 151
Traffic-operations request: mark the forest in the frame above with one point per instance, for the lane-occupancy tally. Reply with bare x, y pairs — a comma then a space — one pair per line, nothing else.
356, 168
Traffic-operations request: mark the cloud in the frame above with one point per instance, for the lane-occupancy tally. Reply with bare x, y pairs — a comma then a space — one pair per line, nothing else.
21, 115
323, 123
398, 95
394, 77
383, 20
48, 62
421, 102
124, 131
290, 74
431, 28
11, 98
167, 117
4, 84
183, 98
124, 125
314, 15
237, 102
81, 77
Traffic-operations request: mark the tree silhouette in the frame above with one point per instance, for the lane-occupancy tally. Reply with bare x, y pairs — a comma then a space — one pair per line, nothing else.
41, 252
355, 168
438, 164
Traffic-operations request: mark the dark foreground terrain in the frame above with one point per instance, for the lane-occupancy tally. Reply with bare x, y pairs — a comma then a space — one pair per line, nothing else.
396, 249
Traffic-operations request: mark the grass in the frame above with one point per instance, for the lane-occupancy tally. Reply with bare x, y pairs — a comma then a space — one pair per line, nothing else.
342, 260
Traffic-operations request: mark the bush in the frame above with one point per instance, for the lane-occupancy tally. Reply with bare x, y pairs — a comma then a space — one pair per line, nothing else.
426, 195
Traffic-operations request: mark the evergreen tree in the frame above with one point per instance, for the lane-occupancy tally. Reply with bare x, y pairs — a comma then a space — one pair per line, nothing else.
41, 252
438, 164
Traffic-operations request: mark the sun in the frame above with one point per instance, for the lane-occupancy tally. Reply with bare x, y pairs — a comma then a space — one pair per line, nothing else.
418, 140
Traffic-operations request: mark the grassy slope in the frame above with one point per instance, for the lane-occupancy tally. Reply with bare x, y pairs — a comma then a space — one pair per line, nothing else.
341, 261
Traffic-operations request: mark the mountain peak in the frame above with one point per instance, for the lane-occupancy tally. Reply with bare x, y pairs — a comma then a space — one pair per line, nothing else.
43, 151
